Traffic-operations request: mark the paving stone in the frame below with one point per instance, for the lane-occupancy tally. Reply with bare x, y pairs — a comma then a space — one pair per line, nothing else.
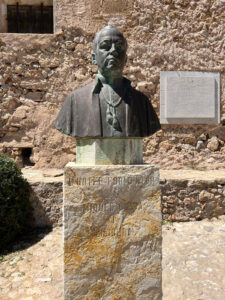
193, 255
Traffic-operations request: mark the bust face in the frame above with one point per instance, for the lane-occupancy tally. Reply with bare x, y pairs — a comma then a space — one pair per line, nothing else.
110, 53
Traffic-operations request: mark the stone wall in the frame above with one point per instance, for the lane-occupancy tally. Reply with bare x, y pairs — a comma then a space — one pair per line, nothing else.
187, 200
186, 195
38, 71
46, 200
46, 195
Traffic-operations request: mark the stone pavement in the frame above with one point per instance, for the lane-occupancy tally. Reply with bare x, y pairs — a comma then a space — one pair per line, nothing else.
194, 260
193, 264
34, 273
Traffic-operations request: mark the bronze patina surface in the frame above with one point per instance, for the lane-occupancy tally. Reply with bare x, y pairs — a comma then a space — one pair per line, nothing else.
109, 106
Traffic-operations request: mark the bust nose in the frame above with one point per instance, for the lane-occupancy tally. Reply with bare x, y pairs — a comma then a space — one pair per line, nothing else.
113, 49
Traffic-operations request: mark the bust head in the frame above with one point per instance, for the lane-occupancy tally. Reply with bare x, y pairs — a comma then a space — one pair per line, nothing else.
109, 52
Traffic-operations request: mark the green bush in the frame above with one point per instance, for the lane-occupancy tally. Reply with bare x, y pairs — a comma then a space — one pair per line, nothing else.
15, 208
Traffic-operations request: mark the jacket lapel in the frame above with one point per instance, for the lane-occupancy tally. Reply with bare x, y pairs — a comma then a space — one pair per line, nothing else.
94, 120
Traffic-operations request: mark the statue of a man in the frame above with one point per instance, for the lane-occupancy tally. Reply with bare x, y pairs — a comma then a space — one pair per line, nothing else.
109, 106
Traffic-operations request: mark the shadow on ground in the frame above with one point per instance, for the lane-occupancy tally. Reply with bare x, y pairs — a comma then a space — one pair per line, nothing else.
33, 236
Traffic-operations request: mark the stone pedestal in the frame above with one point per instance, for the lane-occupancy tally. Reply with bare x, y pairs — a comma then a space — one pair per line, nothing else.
109, 151
112, 232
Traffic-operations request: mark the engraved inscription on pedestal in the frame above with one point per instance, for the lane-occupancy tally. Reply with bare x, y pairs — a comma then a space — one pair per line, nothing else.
189, 97
112, 232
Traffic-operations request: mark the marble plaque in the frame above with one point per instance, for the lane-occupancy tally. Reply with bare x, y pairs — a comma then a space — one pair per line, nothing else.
189, 97
112, 232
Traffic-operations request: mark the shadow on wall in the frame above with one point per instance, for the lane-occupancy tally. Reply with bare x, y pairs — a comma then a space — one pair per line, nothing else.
46, 200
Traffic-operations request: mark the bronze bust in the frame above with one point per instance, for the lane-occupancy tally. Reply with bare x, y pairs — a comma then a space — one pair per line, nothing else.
108, 107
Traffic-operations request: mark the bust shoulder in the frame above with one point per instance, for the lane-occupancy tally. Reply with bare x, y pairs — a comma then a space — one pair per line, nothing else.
138, 94
135, 97
86, 89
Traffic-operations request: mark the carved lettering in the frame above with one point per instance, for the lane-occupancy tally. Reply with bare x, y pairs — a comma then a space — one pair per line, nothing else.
122, 233
107, 180
109, 207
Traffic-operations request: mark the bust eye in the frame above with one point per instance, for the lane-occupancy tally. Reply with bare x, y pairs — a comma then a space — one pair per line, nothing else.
105, 46
120, 47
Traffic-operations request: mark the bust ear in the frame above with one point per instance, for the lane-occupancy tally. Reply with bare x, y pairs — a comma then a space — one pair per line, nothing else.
126, 59
93, 59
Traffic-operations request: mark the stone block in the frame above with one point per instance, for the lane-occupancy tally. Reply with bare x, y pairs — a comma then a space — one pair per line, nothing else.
189, 97
112, 232
109, 151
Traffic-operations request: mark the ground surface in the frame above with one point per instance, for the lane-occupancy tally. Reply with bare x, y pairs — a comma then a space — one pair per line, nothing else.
194, 260
193, 264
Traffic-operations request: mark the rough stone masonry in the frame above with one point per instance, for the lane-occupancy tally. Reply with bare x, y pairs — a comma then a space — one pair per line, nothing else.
38, 71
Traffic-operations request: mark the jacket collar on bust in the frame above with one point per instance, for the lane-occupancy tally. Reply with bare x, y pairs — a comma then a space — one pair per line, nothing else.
97, 83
